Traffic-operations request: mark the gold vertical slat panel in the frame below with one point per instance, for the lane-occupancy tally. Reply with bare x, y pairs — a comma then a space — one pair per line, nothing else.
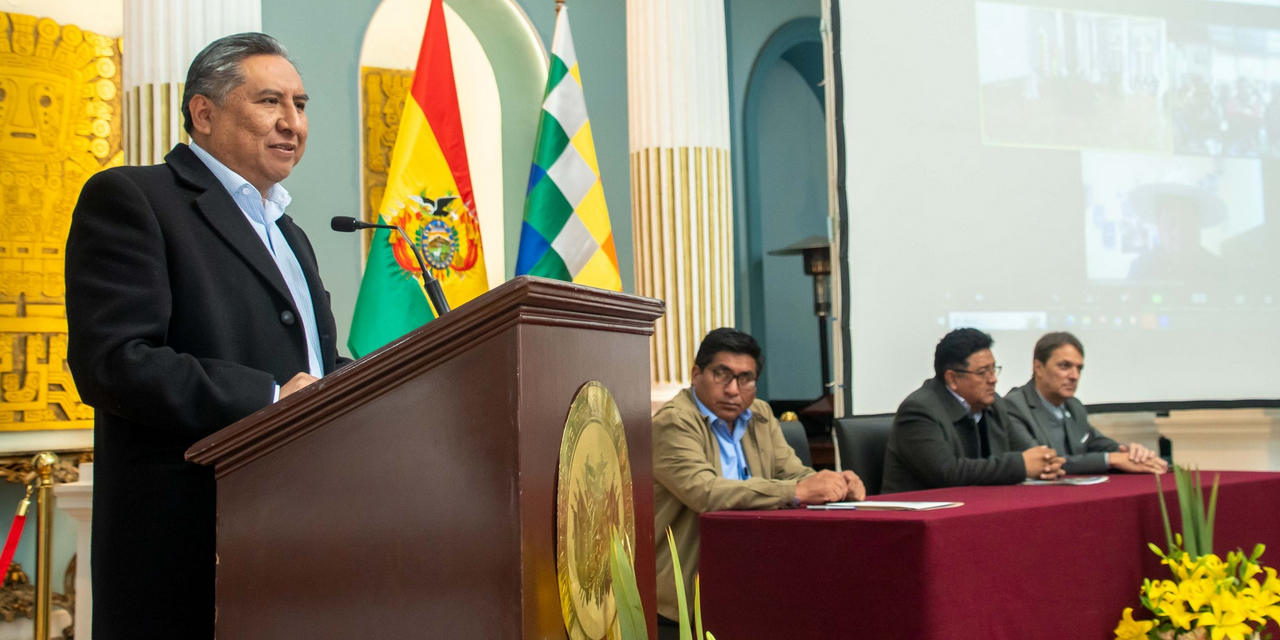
183, 136
149, 117
683, 249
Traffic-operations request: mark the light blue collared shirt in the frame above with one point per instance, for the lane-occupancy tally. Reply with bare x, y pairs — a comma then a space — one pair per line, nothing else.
733, 462
974, 415
263, 215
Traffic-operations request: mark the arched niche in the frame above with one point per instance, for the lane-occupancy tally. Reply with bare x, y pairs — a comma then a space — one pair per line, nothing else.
785, 193
500, 68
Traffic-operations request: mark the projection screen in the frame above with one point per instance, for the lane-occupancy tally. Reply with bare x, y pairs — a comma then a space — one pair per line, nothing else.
1108, 167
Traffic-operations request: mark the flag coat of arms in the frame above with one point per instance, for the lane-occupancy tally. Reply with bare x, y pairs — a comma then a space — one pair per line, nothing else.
429, 195
566, 233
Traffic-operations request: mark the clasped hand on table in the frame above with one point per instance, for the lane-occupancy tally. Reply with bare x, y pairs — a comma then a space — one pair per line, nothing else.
829, 486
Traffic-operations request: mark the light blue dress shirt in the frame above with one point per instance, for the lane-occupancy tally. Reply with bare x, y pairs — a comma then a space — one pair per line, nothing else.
973, 415
263, 214
733, 462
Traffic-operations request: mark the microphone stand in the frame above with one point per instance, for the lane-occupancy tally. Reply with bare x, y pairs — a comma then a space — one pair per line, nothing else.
434, 292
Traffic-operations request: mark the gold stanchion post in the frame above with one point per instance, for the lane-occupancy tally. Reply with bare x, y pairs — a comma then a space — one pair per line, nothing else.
43, 463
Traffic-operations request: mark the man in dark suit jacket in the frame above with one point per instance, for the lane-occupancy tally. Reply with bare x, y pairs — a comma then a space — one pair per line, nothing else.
1047, 410
192, 302
954, 430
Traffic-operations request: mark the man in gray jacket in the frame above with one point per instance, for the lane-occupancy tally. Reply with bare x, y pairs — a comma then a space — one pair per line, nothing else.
1047, 410
954, 430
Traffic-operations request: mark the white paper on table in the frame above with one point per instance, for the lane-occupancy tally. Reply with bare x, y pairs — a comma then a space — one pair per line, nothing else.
885, 505
1078, 481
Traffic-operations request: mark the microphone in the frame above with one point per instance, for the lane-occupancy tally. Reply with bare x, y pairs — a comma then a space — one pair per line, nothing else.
435, 293
347, 225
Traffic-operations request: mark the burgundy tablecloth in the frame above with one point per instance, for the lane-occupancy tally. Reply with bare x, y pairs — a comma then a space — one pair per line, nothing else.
1015, 562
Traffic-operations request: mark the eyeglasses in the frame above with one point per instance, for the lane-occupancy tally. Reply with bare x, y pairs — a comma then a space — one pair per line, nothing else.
722, 376
992, 371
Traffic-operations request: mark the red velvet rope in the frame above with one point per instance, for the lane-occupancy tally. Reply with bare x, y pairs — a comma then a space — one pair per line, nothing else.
15, 534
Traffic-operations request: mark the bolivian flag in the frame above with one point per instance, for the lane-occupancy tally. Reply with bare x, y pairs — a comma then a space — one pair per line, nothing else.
566, 233
429, 195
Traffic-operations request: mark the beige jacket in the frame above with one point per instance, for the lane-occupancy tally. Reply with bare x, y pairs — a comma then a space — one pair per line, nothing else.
688, 482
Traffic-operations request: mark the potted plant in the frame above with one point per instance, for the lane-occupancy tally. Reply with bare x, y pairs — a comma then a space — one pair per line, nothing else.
1208, 598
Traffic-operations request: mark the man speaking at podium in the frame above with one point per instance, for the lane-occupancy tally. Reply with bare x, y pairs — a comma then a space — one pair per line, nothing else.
192, 301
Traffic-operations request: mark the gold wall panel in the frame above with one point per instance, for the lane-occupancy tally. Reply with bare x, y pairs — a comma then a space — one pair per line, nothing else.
59, 104
384, 92
682, 223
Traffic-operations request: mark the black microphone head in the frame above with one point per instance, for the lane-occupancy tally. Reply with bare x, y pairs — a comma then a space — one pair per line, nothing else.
344, 224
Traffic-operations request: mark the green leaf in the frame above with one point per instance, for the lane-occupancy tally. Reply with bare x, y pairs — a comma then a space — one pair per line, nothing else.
697, 605
686, 632
1198, 511
1184, 507
626, 593
1164, 515
1213, 513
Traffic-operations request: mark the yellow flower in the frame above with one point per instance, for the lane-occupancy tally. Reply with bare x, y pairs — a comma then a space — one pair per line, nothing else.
1158, 591
1130, 629
1195, 593
1213, 566
1178, 615
1272, 583
1225, 620
1261, 604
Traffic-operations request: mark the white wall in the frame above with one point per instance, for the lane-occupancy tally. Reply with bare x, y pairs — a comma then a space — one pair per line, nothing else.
103, 17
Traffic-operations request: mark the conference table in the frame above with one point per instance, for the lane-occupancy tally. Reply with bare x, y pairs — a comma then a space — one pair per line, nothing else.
1013, 562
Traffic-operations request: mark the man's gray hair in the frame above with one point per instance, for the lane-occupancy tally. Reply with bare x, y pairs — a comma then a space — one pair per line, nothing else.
216, 70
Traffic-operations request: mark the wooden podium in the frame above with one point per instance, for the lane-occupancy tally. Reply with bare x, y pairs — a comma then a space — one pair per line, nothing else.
413, 493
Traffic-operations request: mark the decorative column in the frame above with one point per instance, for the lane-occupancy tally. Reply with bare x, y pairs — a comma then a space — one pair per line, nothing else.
681, 203
162, 37
76, 499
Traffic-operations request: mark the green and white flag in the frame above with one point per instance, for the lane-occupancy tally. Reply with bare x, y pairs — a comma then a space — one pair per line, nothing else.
566, 233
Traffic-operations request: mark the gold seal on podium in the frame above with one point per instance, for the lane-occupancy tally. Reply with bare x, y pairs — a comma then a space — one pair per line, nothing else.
593, 499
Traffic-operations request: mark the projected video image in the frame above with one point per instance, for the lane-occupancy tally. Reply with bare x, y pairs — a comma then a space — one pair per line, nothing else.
1167, 220
1226, 93
1071, 79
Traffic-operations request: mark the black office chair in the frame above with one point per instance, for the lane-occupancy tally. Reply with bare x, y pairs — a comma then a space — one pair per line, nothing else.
860, 445
793, 431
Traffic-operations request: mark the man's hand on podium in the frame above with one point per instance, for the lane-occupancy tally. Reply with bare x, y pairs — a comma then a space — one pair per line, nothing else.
297, 382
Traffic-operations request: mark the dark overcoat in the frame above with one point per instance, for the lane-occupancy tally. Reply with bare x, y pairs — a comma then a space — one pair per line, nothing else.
179, 324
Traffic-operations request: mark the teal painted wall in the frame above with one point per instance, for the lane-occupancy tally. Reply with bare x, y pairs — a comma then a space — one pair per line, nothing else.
749, 23
791, 137
767, 296
326, 46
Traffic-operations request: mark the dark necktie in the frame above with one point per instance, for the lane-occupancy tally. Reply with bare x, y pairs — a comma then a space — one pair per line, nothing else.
1066, 435
984, 442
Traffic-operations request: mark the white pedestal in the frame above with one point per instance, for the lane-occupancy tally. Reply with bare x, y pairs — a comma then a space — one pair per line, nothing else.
1225, 440
1129, 427
25, 628
76, 499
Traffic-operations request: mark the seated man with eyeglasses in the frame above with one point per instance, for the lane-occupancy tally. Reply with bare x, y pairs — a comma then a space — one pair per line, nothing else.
717, 448
955, 430
1047, 409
